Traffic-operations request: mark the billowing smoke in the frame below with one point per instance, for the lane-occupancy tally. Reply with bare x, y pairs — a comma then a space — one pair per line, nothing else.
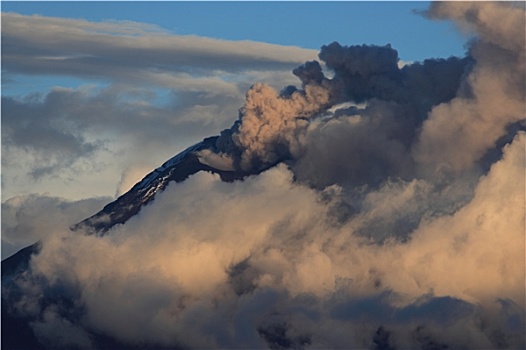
275, 127
390, 215
458, 133
271, 124
438, 117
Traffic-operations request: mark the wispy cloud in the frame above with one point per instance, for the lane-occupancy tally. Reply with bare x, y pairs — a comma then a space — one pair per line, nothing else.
147, 91
46, 45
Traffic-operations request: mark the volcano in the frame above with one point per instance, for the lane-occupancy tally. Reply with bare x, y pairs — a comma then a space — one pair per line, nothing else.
176, 169
16, 333
377, 207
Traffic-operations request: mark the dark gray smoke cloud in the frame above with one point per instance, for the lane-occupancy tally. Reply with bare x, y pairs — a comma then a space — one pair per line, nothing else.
396, 103
394, 218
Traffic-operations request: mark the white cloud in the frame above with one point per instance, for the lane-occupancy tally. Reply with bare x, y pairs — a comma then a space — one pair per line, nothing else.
27, 219
457, 133
212, 264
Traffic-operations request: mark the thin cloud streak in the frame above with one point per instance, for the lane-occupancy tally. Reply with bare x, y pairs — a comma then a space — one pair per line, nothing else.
46, 45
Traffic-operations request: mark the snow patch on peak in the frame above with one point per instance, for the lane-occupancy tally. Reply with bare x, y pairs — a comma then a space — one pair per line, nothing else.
169, 163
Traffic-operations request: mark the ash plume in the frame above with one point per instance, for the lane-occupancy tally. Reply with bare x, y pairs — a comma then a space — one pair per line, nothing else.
271, 124
274, 127
457, 133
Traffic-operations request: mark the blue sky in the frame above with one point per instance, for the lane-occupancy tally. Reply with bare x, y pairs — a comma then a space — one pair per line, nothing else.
96, 94
304, 24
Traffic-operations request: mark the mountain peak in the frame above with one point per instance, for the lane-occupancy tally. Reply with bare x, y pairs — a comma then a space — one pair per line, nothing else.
176, 169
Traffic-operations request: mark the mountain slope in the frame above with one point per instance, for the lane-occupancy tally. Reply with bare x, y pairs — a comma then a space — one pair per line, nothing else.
177, 169
17, 334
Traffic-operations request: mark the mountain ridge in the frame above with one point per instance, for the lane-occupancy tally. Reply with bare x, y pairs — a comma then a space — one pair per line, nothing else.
177, 168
